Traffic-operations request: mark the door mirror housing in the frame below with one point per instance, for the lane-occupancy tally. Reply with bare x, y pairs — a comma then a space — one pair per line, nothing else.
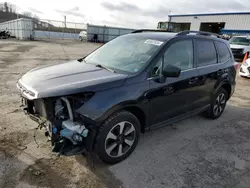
171, 71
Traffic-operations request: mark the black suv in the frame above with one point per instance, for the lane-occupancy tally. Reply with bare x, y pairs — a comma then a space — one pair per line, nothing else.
134, 83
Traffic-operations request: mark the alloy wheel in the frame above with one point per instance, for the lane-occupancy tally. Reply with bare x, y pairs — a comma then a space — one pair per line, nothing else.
120, 139
219, 104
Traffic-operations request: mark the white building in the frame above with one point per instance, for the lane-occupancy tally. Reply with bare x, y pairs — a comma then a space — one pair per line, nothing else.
224, 23
20, 28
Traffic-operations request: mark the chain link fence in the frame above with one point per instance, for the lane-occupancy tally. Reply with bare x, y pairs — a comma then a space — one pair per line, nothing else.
44, 29
105, 33
52, 29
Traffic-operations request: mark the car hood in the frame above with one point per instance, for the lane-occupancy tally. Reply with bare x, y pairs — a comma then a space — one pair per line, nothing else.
68, 78
236, 46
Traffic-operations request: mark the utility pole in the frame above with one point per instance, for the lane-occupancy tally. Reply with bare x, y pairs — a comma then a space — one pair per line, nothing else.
65, 22
64, 28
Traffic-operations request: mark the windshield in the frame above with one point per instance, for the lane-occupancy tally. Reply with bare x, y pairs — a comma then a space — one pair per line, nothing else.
128, 53
240, 41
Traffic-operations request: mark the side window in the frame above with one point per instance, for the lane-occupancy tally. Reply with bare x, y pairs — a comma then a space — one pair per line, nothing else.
223, 50
180, 54
157, 68
206, 52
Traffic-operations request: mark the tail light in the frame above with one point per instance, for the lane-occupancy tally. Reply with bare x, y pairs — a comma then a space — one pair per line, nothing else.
236, 66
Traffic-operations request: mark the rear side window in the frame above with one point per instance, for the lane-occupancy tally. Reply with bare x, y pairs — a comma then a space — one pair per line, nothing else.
206, 52
223, 51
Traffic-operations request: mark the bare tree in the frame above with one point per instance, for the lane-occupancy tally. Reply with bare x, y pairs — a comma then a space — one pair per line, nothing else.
28, 14
6, 7
13, 7
36, 17
1, 7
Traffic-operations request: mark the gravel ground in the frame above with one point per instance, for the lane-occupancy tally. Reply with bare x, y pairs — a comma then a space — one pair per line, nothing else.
198, 153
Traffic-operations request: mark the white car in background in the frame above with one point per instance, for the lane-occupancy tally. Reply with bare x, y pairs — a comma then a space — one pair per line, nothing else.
245, 69
83, 35
240, 45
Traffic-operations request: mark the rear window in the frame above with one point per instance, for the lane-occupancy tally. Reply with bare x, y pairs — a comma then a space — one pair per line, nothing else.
223, 51
206, 52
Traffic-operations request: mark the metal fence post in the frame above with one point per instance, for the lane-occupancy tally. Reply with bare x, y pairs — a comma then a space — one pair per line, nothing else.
63, 32
75, 31
104, 33
48, 29
18, 29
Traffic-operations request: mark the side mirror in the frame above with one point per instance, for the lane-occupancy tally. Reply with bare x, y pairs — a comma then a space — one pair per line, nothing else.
171, 71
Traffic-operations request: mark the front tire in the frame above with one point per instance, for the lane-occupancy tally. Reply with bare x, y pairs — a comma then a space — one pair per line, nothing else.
218, 104
117, 137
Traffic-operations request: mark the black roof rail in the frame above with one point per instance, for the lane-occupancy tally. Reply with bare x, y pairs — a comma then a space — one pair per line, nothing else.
199, 33
148, 30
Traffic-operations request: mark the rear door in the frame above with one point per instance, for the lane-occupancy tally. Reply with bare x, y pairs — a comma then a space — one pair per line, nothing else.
208, 69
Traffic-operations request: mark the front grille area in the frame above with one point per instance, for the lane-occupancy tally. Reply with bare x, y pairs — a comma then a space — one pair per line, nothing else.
39, 107
237, 51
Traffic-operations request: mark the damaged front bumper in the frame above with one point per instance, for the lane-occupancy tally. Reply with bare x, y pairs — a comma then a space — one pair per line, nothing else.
72, 136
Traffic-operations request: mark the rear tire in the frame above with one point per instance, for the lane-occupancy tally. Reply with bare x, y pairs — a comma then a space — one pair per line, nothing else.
117, 137
218, 104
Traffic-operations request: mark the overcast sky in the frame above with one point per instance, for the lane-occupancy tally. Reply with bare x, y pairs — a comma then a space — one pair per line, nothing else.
130, 13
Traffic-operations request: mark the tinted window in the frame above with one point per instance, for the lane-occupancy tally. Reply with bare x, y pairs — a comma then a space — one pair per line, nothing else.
223, 51
206, 52
180, 54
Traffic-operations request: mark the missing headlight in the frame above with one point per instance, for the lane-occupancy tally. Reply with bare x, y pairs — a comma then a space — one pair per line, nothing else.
79, 99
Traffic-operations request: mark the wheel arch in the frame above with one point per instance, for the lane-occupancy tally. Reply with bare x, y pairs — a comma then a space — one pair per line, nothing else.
140, 113
227, 86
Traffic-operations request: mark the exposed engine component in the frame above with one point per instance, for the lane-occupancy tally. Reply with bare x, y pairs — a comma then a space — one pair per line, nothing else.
59, 109
69, 108
70, 129
74, 131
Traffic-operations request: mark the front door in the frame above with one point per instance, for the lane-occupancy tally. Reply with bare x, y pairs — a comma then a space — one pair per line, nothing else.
176, 95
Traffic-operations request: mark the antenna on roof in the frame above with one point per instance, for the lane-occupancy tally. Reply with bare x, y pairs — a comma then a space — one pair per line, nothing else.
169, 18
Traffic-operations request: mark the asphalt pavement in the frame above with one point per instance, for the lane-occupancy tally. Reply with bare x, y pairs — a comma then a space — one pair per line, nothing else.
199, 153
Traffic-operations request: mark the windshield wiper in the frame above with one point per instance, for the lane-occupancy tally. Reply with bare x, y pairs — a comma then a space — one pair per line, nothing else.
82, 60
101, 66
